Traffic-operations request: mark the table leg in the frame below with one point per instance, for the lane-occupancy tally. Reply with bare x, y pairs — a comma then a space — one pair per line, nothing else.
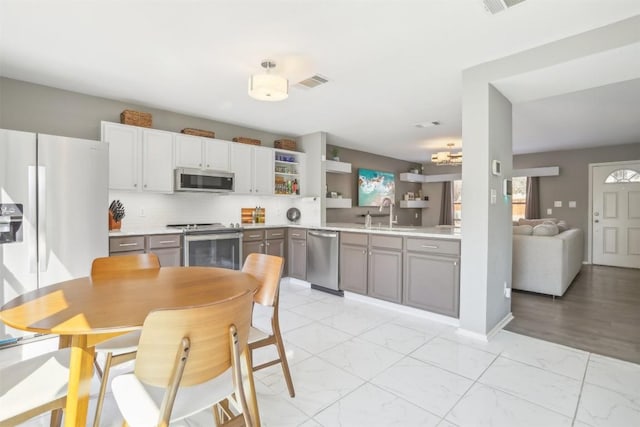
250, 388
80, 372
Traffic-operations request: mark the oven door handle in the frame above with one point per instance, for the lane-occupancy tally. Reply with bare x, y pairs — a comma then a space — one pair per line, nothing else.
213, 236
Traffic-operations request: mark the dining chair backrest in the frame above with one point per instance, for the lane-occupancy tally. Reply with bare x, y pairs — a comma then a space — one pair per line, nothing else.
268, 270
207, 329
108, 265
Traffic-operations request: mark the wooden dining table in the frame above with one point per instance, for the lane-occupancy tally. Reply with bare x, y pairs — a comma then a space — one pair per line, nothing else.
87, 311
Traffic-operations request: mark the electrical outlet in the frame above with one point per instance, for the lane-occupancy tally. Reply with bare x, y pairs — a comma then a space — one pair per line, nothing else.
572, 203
507, 290
557, 204
549, 211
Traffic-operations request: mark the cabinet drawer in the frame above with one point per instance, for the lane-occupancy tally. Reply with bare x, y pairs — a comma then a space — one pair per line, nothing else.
354, 238
274, 233
390, 242
252, 235
297, 233
434, 246
163, 241
124, 244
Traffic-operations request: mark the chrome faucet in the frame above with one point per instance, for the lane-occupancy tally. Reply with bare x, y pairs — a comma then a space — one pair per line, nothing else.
388, 202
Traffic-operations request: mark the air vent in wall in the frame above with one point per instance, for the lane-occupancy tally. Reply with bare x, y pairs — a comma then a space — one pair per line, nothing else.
313, 81
495, 6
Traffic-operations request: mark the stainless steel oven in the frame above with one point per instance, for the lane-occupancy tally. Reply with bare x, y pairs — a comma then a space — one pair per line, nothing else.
212, 246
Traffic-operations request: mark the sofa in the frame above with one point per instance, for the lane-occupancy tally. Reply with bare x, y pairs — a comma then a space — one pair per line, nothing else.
547, 264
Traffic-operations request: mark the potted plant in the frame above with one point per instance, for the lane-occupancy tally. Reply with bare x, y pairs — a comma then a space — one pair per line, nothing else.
335, 154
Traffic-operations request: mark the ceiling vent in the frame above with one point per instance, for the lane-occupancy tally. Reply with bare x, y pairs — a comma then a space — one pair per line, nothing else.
313, 81
495, 6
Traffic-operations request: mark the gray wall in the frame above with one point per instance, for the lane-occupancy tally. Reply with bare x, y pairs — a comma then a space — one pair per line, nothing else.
571, 184
347, 184
35, 108
573, 181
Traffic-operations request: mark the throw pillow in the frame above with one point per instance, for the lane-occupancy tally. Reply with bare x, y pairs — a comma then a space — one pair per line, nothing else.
534, 222
526, 230
562, 226
545, 230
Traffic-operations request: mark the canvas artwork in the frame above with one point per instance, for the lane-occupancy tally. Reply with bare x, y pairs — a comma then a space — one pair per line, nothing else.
374, 186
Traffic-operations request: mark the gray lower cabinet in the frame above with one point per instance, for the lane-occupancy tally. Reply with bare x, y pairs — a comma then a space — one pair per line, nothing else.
385, 268
432, 275
126, 245
268, 241
371, 265
168, 247
353, 268
297, 253
274, 242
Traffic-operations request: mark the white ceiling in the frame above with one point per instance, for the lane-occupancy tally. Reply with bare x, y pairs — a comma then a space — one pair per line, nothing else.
391, 64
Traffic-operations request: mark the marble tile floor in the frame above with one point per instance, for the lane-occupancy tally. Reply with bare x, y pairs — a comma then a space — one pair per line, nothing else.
356, 364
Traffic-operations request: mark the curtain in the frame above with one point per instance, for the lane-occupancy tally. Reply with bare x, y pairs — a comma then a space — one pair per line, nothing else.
446, 207
532, 206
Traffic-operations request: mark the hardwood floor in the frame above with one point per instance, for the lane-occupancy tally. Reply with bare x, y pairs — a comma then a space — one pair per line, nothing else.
600, 313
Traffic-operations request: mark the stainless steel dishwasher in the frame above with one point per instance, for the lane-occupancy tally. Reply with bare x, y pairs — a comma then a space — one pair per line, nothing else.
322, 260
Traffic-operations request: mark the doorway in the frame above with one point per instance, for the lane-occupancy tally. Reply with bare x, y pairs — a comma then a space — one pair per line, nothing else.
614, 228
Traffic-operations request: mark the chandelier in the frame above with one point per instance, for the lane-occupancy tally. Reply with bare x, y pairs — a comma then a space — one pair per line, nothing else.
267, 86
447, 158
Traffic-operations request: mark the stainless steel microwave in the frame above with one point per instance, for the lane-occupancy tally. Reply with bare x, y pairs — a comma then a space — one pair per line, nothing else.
203, 180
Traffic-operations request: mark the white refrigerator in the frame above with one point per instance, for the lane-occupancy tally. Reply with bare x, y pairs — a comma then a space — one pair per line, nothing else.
53, 212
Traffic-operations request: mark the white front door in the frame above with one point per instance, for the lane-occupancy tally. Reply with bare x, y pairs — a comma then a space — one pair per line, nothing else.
616, 214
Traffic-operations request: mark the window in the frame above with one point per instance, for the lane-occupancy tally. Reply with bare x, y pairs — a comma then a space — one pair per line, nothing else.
457, 202
622, 175
518, 197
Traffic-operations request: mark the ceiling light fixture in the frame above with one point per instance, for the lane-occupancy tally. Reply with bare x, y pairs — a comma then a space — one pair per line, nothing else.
267, 86
447, 158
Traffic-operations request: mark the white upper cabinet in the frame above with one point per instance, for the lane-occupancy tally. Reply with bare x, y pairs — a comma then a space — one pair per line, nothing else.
124, 156
202, 153
253, 169
140, 159
157, 161
216, 154
188, 152
263, 170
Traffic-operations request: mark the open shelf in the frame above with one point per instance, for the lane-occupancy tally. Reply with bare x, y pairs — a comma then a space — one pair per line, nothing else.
414, 204
332, 166
338, 203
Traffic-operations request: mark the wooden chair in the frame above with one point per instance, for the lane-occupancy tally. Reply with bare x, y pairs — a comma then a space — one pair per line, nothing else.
188, 360
123, 348
34, 386
268, 270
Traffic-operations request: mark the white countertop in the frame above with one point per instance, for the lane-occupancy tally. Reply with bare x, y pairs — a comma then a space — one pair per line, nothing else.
398, 230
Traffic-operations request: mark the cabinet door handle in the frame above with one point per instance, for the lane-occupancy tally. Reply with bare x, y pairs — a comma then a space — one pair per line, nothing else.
254, 235
135, 185
208, 165
267, 243
127, 244
276, 235
164, 242
364, 252
455, 263
145, 186
430, 246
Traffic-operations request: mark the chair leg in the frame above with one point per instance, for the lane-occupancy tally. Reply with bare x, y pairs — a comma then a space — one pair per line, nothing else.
103, 390
56, 418
283, 359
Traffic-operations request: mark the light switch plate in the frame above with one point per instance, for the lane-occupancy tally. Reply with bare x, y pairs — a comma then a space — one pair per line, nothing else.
557, 204
549, 211
572, 203
493, 196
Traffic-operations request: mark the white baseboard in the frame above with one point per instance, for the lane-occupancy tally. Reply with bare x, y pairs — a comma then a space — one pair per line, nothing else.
387, 305
403, 309
486, 337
